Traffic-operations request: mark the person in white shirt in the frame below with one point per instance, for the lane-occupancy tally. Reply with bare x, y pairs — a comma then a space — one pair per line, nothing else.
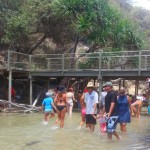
91, 101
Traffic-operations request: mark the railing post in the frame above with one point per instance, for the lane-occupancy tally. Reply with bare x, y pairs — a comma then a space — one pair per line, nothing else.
30, 79
30, 62
63, 64
100, 65
145, 62
108, 62
48, 64
9, 53
140, 58
100, 76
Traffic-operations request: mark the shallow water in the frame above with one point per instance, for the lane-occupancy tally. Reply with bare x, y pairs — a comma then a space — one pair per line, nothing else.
26, 132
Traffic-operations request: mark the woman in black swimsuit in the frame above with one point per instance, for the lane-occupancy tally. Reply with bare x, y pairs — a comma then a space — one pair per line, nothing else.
60, 101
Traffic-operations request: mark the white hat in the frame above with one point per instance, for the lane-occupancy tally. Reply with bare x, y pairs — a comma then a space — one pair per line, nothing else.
48, 94
90, 84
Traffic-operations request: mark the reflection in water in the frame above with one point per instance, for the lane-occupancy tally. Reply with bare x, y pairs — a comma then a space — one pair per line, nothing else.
26, 132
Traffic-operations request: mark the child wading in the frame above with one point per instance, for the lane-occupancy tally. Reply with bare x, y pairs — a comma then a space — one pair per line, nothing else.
102, 121
47, 107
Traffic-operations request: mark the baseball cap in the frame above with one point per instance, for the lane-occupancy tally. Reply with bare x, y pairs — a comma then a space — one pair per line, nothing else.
108, 84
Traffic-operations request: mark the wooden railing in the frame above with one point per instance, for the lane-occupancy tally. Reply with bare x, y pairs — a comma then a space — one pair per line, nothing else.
124, 60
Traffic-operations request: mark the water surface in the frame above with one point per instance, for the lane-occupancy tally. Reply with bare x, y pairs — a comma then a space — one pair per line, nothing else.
26, 132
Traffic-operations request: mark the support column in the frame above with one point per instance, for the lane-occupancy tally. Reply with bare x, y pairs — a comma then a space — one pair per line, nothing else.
48, 83
100, 76
136, 87
100, 90
119, 85
10, 86
30, 78
123, 84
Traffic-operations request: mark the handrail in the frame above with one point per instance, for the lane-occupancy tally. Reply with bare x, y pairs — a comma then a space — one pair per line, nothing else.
123, 60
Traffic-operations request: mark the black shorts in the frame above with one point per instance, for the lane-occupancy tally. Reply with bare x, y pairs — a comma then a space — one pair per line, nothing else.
90, 119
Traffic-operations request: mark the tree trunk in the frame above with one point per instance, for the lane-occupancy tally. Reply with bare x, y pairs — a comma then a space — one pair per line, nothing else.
38, 43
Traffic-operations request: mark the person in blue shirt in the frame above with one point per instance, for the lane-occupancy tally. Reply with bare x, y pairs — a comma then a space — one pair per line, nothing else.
47, 107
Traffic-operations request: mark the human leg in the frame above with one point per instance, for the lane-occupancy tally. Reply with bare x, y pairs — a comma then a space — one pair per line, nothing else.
92, 127
90, 121
62, 117
67, 108
83, 120
58, 118
46, 116
70, 109
123, 127
52, 115
138, 111
116, 135
109, 136
133, 108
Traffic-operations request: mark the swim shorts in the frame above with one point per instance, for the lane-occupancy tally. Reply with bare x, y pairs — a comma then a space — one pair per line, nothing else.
90, 119
111, 124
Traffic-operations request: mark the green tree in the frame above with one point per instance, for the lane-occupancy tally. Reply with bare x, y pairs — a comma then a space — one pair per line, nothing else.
99, 24
67, 22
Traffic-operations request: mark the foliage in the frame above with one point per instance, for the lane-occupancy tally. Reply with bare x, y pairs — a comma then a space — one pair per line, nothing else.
99, 23
93, 22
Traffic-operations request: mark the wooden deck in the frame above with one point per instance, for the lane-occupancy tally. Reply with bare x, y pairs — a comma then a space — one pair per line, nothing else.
128, 64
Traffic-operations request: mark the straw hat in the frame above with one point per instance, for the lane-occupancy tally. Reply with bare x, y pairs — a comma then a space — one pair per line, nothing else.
90, 84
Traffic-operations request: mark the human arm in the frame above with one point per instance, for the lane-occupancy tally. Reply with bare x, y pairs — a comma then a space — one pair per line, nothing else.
55, 99
54, 106
95, 103
74, 98
112, 105
84, 98
129, 102
42, 107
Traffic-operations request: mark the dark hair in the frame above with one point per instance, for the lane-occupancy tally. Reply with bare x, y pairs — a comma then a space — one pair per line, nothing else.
61, 88
80, 91
70, 90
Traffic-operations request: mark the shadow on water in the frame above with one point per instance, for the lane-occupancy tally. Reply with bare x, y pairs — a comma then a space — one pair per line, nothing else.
32, 143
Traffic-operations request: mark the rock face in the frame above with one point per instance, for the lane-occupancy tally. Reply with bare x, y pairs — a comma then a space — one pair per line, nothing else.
130, 86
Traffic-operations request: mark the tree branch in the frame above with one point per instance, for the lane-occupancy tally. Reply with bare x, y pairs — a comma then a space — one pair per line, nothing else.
38, 43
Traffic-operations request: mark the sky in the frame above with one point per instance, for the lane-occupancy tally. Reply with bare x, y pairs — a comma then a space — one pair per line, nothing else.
142, 3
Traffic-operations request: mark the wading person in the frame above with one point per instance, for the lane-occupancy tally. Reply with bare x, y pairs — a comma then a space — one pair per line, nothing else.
111, 110
91, 101
61, 102
83, 109
47, 107
124, 103
136, 106
70, 98
102, 99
